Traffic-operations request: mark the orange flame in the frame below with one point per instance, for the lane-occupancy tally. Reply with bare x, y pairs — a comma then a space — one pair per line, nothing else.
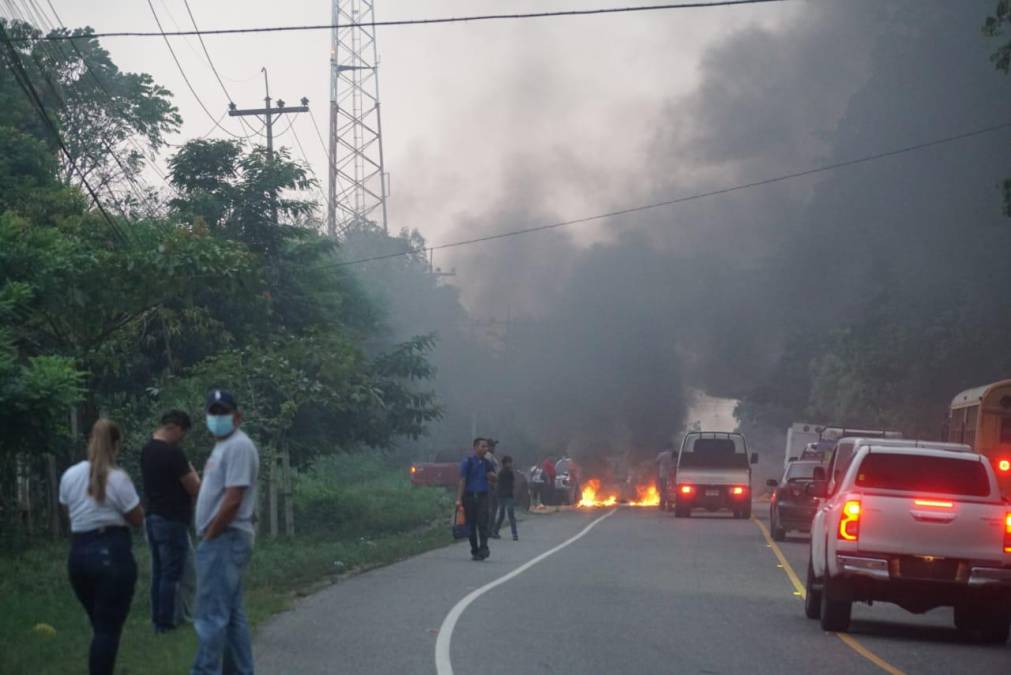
646, 495
591, 497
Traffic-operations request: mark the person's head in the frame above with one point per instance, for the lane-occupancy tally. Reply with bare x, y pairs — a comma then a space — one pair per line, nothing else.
481, 446
103, 449
492, 443
223, 416
507, 462
174, 426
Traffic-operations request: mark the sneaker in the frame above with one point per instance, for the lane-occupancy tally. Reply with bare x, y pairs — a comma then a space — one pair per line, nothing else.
515, 538
484, 553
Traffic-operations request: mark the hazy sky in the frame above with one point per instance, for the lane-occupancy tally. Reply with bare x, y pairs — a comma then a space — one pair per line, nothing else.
465, 106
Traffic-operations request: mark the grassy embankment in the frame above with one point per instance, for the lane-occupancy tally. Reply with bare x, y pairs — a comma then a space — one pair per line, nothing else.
351, 512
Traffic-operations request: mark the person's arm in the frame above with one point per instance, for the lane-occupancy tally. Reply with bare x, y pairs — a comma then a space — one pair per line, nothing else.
459, 491
230, 503
135, 516
191, 483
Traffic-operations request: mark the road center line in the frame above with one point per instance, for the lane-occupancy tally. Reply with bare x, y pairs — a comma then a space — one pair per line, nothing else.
801, 590
443, 665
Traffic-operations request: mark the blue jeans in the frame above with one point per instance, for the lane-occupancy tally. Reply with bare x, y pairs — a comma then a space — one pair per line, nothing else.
222, 630
506, 505
103, 574
171, 571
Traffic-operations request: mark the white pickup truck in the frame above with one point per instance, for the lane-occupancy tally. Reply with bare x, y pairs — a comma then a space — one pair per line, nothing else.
918, 527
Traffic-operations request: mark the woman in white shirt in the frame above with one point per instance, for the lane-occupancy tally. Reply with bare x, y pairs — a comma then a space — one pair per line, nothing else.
102, 501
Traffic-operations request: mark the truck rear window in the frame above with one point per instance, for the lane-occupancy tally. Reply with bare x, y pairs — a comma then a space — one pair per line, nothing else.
915, 473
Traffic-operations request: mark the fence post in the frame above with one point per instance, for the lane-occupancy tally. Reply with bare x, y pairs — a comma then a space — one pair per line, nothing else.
54, 500
289, 507
272, 493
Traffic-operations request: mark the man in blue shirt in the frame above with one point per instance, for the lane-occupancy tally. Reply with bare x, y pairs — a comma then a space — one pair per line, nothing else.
476, 476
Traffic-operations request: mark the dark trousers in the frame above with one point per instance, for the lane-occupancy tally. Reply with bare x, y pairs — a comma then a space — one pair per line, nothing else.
170, 545
475, 510
506, 505
103, 574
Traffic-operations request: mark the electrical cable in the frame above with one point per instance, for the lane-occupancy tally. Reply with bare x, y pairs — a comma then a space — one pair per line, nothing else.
182, 72
128, 174
25, 83
680, 200
442, 20
217, 76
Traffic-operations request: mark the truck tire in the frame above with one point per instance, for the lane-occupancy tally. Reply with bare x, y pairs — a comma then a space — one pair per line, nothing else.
836, 606
812, 595
989, 625
682, 512
778, 533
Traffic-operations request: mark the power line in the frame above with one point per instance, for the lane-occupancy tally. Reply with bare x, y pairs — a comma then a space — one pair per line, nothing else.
25, 83
681, 200
94, 76
441, 20
182, 72
214, 70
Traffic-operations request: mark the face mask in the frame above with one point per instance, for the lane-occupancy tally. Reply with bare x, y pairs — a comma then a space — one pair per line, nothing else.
220, 425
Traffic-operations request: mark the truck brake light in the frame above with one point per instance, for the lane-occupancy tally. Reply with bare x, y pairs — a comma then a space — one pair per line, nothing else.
1004, 465
934, 503
687, 490
849, 524
737, 491
1007, 533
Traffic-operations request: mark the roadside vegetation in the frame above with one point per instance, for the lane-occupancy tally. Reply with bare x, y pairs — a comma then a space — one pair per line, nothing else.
353, 513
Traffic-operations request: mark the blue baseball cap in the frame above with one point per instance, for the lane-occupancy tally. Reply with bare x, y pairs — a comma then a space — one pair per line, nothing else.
221, 397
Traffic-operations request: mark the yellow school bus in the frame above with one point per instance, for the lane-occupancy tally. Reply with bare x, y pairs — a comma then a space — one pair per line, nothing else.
981, 418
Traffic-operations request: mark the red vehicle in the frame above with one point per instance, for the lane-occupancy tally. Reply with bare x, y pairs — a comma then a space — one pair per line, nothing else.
443, 472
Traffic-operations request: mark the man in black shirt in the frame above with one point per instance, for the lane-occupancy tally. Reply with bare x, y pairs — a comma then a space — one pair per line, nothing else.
170, 486
506, 497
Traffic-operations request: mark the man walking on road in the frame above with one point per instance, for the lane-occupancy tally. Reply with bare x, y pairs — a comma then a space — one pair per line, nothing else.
170, 486
224, 522
476, 475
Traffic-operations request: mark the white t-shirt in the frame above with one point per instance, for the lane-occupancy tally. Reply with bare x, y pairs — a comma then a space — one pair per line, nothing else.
85, 513
234, 462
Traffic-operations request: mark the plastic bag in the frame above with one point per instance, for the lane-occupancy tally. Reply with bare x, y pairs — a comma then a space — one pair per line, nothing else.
459, 524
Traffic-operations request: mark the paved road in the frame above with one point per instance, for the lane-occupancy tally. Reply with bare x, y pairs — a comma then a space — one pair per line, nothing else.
641, 592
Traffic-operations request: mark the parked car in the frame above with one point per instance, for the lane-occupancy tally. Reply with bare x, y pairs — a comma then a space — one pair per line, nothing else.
791, 506
918, 527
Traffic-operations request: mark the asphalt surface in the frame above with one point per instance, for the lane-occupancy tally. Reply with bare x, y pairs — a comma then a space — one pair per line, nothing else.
641, 592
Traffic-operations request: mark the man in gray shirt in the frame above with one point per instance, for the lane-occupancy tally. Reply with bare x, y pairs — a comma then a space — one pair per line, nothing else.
224, 520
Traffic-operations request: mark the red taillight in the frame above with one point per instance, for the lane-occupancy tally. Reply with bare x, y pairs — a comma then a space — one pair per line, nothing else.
687, 490
414, 469
849, 524
737, 491
934, 503
1007, 533
1004, 465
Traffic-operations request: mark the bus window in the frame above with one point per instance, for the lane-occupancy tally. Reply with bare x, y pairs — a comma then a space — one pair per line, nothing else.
956, 426
969, 437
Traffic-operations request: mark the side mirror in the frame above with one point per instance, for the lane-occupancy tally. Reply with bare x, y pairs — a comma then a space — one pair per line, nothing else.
818, 488
818, 473
772, 482
754, 458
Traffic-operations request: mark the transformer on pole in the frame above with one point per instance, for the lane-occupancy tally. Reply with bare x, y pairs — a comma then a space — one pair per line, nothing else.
357, 177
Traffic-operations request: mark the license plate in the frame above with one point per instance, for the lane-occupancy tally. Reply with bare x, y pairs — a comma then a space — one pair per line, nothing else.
712, 493
937, 569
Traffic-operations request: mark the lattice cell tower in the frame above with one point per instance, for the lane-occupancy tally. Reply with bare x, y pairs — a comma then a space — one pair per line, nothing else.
357, 176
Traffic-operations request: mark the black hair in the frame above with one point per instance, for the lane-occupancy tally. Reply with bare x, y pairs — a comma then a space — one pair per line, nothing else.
477, 441
177, 418
507, 459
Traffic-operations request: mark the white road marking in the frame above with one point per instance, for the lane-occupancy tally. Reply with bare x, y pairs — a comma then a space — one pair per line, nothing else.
443, 665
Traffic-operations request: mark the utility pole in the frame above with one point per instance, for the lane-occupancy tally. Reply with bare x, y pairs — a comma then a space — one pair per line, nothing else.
268, 113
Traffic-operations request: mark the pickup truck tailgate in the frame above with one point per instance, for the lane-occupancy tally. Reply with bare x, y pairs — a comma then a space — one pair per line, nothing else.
941, 527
